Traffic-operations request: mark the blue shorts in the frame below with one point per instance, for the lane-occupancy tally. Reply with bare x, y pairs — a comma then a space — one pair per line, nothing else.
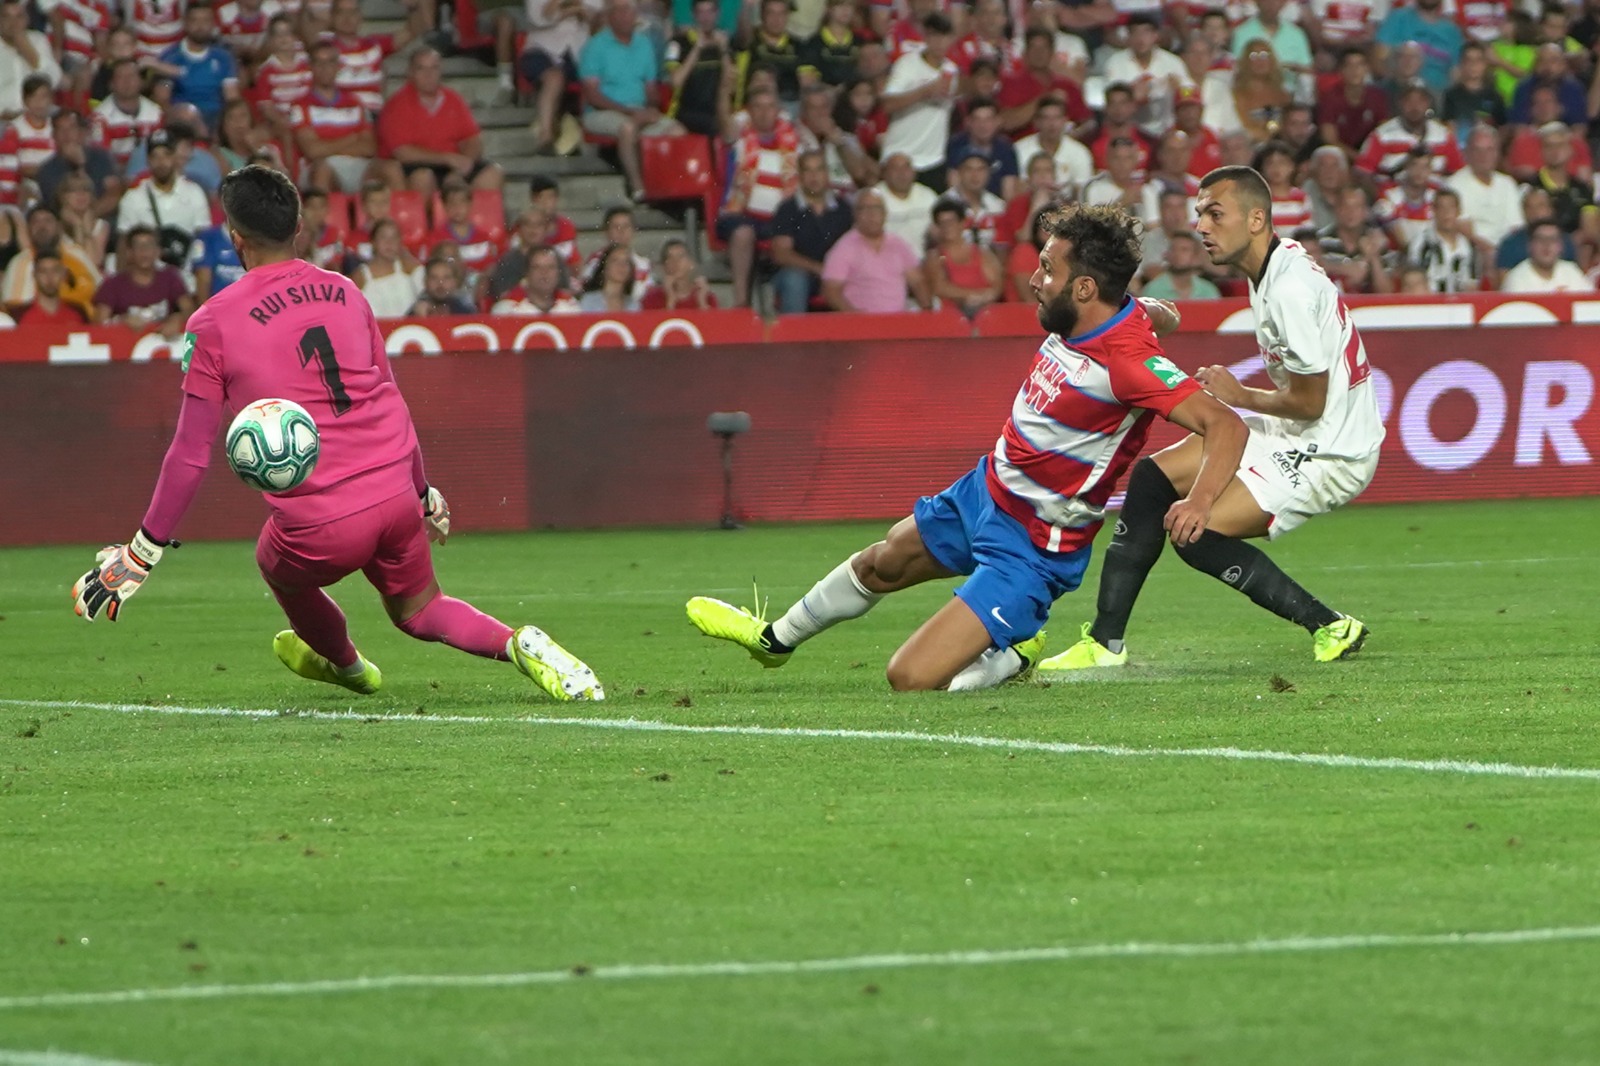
1011, 583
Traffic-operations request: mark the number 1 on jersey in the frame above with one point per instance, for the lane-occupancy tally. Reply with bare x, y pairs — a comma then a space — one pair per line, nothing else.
316, 344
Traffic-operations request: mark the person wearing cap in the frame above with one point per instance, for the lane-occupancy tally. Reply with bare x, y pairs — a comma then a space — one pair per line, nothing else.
1351, 108
1121, 183
982, 136
1426, 24
1386, 147
166, 201
982, 209
1154, 74
1205, 150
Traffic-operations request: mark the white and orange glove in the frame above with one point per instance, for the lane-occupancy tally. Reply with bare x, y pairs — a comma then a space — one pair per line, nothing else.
119, 572
436, 513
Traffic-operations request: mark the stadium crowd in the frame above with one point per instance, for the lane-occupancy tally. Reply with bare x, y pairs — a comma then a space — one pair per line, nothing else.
869, 156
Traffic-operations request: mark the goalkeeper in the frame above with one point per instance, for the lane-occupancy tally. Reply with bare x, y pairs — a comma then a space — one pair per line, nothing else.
292, 330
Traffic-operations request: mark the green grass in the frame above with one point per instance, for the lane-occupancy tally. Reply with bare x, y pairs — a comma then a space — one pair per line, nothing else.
146, 850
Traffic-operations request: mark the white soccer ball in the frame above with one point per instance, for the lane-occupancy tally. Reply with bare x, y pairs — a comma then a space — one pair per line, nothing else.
273, 445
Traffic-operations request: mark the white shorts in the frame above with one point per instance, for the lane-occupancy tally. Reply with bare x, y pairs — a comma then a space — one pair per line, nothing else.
1290, 481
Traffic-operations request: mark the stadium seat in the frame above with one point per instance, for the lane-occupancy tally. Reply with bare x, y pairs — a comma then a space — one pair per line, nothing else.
468, 36
676, 168
339, 216
488, 212
409, 211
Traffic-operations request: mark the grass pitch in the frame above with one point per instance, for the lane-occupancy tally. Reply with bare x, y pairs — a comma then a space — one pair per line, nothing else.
434, 834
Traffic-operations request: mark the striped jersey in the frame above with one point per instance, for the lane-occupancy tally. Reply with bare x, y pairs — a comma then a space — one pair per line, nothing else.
330, 119
82, 21
35, 144
156, 25
119, 132
361, 67
1384, 152
1078, 421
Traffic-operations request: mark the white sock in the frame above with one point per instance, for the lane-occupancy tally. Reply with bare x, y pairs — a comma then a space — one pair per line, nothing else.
837, 598
988, 670
506, 79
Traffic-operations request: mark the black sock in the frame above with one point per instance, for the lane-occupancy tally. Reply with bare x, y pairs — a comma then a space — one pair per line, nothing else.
1247, 568
1135, 547
774, 645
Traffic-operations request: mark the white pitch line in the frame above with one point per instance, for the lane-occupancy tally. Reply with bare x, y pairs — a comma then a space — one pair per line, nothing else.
845, 964
56, 1058
1050, 747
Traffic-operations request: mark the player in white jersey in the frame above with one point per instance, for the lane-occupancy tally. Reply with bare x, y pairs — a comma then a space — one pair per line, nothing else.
1313, 446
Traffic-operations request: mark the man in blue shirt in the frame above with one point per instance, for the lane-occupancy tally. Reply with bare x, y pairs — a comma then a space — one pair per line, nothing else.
217, 265
618, 69
1435, 32
203, 72
1550, 70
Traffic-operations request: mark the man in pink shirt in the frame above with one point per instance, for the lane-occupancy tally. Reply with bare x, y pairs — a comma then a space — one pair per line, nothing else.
870, 270
291, 330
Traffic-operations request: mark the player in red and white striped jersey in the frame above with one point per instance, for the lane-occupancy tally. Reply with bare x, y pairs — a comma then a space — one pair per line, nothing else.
1021, 523
1386, 147
156, 24
126, 117
1313, 442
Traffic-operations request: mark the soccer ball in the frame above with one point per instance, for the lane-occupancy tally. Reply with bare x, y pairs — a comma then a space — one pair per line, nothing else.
272, 445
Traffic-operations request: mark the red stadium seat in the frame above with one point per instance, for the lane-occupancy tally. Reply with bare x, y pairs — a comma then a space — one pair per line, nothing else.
489, 212
409, 212
676, 168
468, 36
339, 216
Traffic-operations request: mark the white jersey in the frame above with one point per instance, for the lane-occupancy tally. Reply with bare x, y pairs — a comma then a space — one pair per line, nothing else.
1303, 327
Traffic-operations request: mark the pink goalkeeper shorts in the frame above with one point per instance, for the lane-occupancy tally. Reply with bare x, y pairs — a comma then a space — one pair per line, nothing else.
387, 542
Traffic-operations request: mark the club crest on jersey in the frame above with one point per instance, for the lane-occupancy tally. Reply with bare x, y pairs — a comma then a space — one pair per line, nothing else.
1166, 370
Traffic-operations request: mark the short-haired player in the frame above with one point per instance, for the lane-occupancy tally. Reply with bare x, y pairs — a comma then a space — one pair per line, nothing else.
1314, 438
1019, 526
289, 329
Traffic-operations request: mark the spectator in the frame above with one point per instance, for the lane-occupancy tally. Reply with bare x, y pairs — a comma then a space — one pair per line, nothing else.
1120, 183
1290, 209
806, 227
1182, 279
1513, 52
1070, 56
907, 203
694, 65
540, 293
981, 83
549, 60
503, 20
80, 222
1235, 149
1038, 78
1074, 163
917, 99
763, 168
1406, 208
391, 278
157, 25
1513, 247
1336, 26
1328, 178
770, 45
1258, 92
204, 73
1215, 86
319, 242
361, 55
1448, 256
987, 42
217, 266
171, 204
560, 232
1405, 71
857, 112
1176, 215
1299, 132
428, 128
611, 289
479, 249
620, 231
870, 269
1042, 191
512, 266
983, 209
1489, 199
442, 281
243, 27
120, 44
682, 286
1387, 147
74, 155
1154, 74
835, 49
1117, 124
982, 137
1413, 281
1550, 72
125, 118
283, 77
1288, 41
905, 33
1174, 167
1205, 149
43, 237
849, 167
1023, 260
1472, 98
1544, 271
241, 142
960, 273
24, 53
145, 294
338, 145
1351, 109
1353, 248
1435, 32
47, 308
31, 135
195, 162
1571, 198
618, 68
1525, 154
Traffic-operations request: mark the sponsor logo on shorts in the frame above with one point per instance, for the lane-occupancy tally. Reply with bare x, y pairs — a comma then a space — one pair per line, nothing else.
1289, 460
998, 617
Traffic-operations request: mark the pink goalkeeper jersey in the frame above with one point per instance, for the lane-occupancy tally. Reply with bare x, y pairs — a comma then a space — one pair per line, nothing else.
297, 332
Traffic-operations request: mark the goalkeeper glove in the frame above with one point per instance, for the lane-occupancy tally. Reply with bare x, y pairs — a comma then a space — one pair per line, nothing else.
119, 571
436, 513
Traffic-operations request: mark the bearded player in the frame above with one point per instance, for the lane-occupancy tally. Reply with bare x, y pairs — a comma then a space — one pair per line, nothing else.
293, 330
1020, 525
1313, 444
